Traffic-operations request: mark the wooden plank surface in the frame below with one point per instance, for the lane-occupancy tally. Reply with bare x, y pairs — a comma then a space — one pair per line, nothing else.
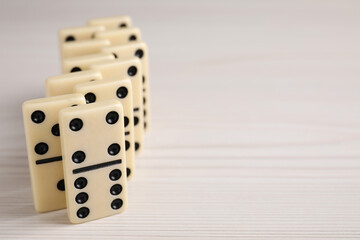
255, 126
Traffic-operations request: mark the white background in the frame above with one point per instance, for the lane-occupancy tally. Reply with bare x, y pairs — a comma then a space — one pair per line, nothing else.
255, 128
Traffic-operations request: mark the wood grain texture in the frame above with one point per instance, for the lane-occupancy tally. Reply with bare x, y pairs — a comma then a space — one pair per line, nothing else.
255, 119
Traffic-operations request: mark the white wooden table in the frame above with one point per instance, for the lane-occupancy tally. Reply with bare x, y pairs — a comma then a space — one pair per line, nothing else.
256, 120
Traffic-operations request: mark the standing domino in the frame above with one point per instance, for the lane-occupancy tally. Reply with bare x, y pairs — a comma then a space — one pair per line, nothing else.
64, 83
93, 147
130, 69
78, 33
139, 50
79, 63
115, 88
111, 22
41, 123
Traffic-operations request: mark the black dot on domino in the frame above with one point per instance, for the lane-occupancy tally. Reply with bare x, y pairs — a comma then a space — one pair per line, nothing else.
137, 146
115, 174
128, 172
55, 130
75, 69
61, 185
145, 125
69, 38
38, 116
41, 148
116, 189
121, 92
76, 124
122, 25
126, 121
144, 112
81, 198
114, 149
112, 117
83, 212
80, 183
144, 100
115, 55
116, 204
127, 145
132, 38
132, 71
78, 157
136, 121
143, 79
90, 98
139, 53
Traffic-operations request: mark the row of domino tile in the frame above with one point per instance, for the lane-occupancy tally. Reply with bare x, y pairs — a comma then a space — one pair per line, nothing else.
82, 137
